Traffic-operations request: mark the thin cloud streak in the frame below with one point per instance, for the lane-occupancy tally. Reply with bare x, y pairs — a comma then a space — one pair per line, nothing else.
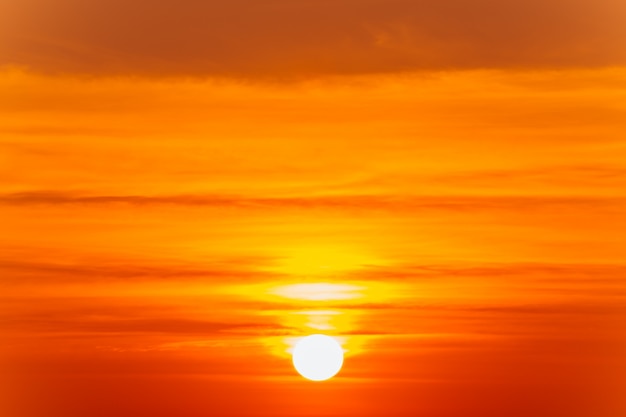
358, 201
27, 273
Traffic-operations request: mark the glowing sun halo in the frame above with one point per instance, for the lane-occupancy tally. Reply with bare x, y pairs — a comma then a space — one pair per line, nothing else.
317, 357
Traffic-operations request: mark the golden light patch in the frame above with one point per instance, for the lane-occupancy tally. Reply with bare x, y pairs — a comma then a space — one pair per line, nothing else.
319, 291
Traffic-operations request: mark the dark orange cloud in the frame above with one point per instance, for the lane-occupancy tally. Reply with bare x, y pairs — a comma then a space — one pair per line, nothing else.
278, 39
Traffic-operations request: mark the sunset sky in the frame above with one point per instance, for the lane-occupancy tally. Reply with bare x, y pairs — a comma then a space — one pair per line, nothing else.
189, 187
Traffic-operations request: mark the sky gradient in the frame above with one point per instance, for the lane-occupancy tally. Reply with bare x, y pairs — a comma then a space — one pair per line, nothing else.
186, 188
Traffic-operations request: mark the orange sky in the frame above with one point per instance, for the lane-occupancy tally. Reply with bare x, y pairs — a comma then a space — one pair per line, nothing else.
186, 188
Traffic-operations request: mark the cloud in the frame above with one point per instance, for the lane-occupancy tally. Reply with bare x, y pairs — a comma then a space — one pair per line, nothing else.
530, 271
228, 270
540, 279
71, 323
372, 202
286, 38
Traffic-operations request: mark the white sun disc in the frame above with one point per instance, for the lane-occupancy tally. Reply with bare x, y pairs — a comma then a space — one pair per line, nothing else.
317, 357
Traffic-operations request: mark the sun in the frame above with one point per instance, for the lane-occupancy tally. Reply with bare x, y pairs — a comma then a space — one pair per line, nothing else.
317, 357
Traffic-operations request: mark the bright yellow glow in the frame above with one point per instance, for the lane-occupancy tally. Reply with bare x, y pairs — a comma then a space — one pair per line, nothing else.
350, 292
322, 320
317, 357
317, 307
319, 291
322, 260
